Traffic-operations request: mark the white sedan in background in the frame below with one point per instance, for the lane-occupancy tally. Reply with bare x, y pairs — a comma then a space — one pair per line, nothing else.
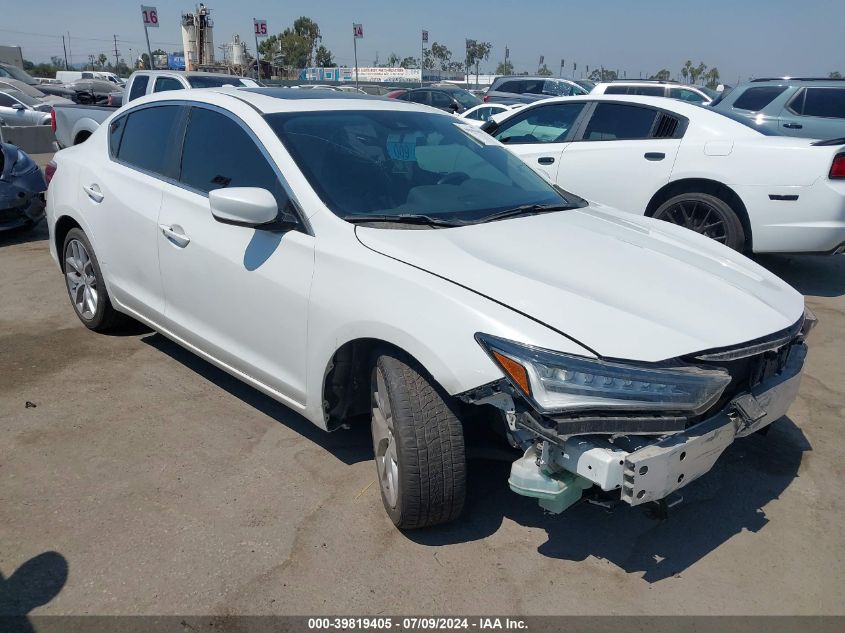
688, 165
362, 259
480, 114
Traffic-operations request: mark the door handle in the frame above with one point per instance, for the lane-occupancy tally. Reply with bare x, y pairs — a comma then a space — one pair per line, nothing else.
177, 238
654, 155
793, 126
94, 193
546, 160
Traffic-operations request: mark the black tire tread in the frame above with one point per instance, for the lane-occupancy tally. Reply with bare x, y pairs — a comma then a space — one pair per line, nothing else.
431, 446
107, 318
736, 235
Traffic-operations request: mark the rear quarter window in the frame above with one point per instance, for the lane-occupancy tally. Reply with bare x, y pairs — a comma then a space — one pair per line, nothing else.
757, 98
828, 103
139, 87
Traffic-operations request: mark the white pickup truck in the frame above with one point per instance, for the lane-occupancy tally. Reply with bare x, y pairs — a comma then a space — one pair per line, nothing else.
75, 123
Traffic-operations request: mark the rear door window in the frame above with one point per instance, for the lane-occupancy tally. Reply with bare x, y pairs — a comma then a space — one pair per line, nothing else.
163, 84
419, 96
616, 121
756, 98
440, 100
149, 139
139, 86
514, 86
685, 94
828, 103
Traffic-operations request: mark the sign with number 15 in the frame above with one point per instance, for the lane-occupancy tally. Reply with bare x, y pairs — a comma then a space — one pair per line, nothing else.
260, 27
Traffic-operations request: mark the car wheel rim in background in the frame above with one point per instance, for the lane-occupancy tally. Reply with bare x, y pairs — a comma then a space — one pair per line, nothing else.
697, 216
384, 442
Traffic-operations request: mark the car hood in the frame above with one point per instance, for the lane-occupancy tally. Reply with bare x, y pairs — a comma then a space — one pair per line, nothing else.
623, 286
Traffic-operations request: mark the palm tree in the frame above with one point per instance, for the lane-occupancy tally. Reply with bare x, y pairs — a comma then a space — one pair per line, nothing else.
686, 71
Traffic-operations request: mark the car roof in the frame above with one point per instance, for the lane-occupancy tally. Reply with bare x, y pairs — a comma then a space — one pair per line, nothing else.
673, 105
186, 73
809, 81
273, 100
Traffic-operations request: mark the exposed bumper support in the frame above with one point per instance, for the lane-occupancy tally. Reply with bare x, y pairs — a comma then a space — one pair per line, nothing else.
645, 470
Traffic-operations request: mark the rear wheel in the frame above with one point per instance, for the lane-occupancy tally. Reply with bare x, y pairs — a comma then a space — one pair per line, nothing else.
85, 285
705, 214
418, 443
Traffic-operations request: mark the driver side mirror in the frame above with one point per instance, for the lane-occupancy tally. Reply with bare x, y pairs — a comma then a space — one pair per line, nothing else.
454, 107
250, 207
18, 106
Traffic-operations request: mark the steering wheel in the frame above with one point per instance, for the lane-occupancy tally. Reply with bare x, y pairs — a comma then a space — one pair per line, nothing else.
455, 178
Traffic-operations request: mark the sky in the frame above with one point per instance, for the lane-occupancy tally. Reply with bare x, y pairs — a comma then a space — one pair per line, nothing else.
742, 38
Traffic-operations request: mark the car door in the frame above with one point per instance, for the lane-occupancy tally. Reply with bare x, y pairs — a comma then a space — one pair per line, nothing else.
816, 112
539, 135
617, 159
443, 101
238, 294
120, 197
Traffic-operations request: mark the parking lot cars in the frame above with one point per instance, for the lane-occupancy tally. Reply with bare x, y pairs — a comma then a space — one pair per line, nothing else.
656, 88
74, 124
58, 90
479, 114
520, 89
447, 98
809, 108
16, 108
434, 279
7, 83
690, 165
22, 189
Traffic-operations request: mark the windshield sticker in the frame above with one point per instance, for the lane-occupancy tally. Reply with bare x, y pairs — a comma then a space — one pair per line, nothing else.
398, 149
476, 133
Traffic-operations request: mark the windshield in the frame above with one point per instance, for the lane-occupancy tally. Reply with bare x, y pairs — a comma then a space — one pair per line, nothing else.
388, 162
465, 98
16, 73
197, 81
26, 100
709, 91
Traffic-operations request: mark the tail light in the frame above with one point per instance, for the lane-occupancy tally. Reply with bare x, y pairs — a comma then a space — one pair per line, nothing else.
837, 170
49, 171
485, 99
53, 119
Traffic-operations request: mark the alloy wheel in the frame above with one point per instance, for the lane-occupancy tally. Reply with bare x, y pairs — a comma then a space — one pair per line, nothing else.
697, 216
82, 283
384, 442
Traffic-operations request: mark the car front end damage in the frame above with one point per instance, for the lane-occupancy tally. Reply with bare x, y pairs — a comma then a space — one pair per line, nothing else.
639, 431
22, 187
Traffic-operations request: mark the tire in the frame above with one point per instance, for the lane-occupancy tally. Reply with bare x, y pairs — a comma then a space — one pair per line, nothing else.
419, 445
83, 287
705, 214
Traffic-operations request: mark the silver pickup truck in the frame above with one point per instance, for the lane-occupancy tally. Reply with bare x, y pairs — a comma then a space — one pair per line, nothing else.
75, 123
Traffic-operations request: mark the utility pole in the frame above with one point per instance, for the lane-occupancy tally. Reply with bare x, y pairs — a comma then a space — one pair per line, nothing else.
65, 49
69, 51
116, 55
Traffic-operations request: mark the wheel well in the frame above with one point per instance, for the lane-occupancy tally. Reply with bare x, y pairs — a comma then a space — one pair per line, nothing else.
346, 386
81, 136
63, 225
703, 185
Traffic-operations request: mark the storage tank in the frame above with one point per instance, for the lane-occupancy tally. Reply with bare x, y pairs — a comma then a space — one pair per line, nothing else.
189, 41
238, 53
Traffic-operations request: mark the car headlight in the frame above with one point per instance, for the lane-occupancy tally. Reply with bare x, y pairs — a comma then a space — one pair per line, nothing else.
557, 382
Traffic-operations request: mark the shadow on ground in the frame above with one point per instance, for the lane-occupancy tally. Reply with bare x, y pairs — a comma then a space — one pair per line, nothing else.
729, 499
815, 275
33, 584
349, 446
24, 235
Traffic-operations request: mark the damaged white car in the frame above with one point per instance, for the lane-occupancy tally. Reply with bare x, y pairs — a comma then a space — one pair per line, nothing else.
357, 256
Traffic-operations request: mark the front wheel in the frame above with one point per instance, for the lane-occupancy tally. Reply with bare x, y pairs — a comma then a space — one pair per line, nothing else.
418, 443
705, 214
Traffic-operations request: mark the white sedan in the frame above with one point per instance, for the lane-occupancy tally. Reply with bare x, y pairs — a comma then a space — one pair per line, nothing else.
355, 256
688, 165
480, 114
